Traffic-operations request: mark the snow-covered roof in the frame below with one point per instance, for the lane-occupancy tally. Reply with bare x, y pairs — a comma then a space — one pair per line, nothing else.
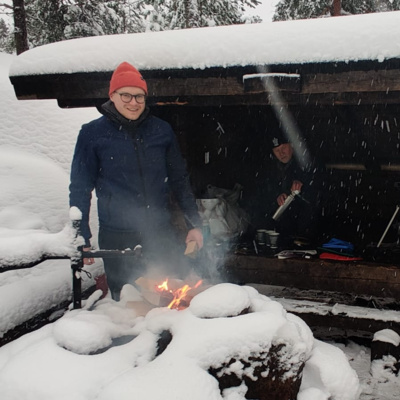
336, 39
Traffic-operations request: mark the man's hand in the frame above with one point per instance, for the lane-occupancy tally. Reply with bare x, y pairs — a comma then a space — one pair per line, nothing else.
195, 235
88, 261
281, 198
296, 185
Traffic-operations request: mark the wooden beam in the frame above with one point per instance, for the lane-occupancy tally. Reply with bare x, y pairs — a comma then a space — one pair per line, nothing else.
347, 277
333, 315
352, 87
353, 81
349, 318
224, 86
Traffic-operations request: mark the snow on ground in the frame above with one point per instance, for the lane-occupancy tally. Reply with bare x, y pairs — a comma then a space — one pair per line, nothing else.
36, 145
65, 360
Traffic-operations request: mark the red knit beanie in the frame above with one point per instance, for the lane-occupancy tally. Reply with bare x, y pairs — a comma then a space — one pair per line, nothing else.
126, 75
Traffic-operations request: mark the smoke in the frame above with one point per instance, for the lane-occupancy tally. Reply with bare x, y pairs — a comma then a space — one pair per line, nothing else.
286, 119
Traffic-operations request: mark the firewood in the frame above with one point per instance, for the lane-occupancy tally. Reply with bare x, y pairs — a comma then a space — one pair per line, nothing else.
191, 249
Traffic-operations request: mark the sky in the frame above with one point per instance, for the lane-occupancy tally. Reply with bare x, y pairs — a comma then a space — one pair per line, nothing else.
70, 358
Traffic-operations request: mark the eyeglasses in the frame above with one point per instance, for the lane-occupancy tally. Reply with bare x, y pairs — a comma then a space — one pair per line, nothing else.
127, 97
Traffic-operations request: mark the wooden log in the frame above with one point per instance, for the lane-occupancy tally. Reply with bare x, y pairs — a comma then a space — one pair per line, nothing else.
265, 374
334, 315
346, 277
385, 343
268, 381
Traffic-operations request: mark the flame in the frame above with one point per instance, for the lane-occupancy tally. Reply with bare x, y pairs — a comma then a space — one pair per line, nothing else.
179, 294
164, 286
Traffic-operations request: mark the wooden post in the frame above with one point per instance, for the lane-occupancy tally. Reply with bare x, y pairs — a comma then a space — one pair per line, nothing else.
386, 343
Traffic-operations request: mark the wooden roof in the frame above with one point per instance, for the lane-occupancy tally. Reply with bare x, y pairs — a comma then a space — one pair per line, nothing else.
355, 83
201, 66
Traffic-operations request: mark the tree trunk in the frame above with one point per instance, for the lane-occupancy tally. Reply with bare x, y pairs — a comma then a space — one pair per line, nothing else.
337, 7
20, 34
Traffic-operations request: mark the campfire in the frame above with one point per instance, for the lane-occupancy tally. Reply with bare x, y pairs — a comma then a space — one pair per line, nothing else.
172, 293
180, 296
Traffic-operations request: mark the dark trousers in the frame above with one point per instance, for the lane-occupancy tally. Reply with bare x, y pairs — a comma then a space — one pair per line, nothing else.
162, 257
120, 270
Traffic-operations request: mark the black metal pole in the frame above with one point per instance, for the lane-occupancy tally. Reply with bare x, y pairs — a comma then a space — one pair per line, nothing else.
76, 267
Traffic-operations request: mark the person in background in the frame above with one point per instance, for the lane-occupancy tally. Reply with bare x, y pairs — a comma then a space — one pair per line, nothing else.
298, 223
132, 160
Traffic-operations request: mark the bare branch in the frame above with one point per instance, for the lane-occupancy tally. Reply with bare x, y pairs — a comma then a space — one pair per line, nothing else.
6, 6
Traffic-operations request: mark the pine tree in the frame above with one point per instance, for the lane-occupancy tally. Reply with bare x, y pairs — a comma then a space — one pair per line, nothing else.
132, 14
51, 21
45, 21
304, 9
7, 44
180, 14
91, 18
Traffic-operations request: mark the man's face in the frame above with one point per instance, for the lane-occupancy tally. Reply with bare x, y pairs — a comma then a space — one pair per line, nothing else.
283, 153
132, 110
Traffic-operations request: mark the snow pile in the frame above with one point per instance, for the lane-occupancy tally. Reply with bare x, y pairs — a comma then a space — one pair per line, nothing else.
37, 140
32, 198
26, 293
34, 208
38, 127
74, 359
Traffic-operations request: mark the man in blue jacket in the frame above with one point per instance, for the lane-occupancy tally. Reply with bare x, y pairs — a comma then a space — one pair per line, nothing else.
132, 160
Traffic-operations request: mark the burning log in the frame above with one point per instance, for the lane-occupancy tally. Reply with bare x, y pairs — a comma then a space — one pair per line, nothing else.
171, 293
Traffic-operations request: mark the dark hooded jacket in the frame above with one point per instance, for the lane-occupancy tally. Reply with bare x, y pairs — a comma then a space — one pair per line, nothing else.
132, 165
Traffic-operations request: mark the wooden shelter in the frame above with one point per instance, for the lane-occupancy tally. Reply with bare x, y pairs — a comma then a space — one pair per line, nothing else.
227, 90
343, 100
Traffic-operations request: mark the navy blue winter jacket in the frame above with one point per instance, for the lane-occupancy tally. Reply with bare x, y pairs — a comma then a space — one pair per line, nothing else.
132, 171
